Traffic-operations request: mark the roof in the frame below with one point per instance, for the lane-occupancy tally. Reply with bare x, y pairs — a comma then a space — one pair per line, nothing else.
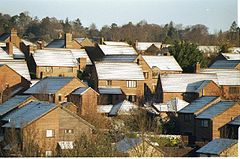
198, 104
81, 53
185, 82
51, 57
225, 64
167, 63
4, 55
142, 46
80, 90
104, 108
127, 144
17, 53
225, 76
116, 43
117, 50
173, 105
49, 85
109, 90
235, 121
118, 58
20, 66
123, 107
231, 56
4, 36
12, 103
119, 71
26, 42
28, 113
217, 146
56, 43
215, 110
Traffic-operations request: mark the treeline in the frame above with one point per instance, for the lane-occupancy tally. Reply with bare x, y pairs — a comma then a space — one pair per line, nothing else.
48, 28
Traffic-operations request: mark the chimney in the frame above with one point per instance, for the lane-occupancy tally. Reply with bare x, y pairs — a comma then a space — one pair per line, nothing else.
40, 44
9, 46
197, 67
68, 40
101, 40
136, 43
82, 63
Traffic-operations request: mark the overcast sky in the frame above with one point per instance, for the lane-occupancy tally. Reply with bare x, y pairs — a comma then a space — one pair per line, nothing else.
215, 14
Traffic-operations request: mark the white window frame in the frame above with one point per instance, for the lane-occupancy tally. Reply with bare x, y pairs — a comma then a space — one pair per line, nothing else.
49, 133
131, 84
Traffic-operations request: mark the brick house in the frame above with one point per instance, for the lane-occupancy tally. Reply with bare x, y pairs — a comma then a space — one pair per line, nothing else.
11, 83
210, 123
148, 47
55, 89
46, 125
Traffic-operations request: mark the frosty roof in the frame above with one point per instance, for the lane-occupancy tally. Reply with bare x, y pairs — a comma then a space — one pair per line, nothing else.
81, 53
4, 55
225, 64
116, 43
185, 82
12, 103
231, 56
163, 62
117, 50
119, 71
198, 104
28, 113
217, 146
215, 110
54, 57
173, 105
17, 53
127, 144
104, 108
142, 46
118, 58
123, 107
20, 66
49, 85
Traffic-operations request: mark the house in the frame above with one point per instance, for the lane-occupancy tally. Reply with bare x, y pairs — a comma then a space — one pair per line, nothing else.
228, 80
44, 124
219, 148
210, 123
186, 116
54, 89
127, 76
85, 98
137, 147
148, 47
11, 83
70, 43
187, 86
226, 64
123, 108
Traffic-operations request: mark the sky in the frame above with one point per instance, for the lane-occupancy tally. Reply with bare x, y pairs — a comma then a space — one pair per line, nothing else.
215, 14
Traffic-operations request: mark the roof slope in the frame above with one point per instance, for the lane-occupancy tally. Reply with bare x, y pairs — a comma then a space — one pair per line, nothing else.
12, 103
49, 85
118, 58
123, 107
198, 104
167, 63
116, 43
142, 46
56, 43
225, 64
217, 146
4, 55
4, 36
119, 71
109, 90
174, 105
117, 50
215, 110
185, 82
80, 90
28, 113
231, 56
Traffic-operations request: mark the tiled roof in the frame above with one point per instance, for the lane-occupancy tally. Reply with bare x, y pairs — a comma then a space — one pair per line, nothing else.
28, 113
49, 85
127, 144
225, 64
4, 55
235, 121
119, 71
79, 90
117, 50
142, 46
123, 107
167, 63
109, 90
231, 56
217, 146
118, 58
12, 103
215, 110
56, 43
198, 104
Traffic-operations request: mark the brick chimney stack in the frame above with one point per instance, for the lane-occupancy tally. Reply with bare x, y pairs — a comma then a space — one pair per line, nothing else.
82, 63
40, 44
68, 40
9, 47
14, 37
197, 67
101, 40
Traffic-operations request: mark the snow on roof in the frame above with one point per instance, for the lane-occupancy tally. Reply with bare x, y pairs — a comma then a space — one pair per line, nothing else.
142, 46
123, 107
4, 55
119, 71
163, 62
116, 43
17, 53
185, 82
81, 53
173, 105
231, 56
117, 50
104, 108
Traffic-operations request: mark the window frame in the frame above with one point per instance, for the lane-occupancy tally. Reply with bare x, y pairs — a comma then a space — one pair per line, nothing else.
131, 84
47, 133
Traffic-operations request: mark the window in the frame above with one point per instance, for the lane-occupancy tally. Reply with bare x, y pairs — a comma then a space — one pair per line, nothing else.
204, 123
68, 131
145, 75
49, 133
131, 84
48, 153
132, 98
138, 61
234, 90
187, 117
59, 98
108, 82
